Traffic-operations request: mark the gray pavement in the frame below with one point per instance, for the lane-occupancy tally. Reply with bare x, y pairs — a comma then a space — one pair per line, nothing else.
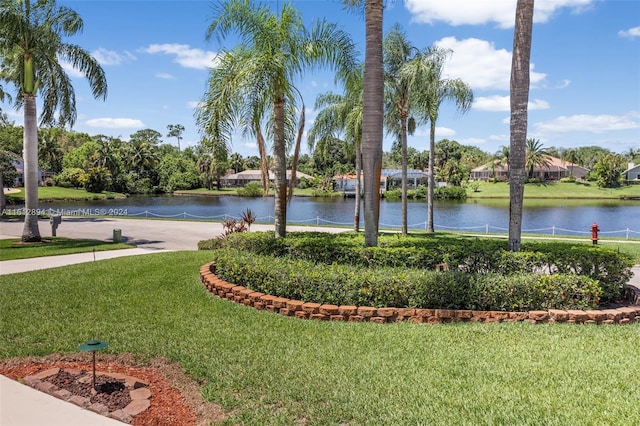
22, 405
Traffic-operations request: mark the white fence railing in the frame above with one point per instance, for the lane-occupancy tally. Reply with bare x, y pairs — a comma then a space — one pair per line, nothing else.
318, 221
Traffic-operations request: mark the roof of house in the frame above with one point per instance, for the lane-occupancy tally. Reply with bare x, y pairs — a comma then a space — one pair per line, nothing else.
554, 164
257, 175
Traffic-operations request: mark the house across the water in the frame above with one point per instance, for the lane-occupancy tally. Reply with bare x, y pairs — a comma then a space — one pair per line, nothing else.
555, 169
238, 180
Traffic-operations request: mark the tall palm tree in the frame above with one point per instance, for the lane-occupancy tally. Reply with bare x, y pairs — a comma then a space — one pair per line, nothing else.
342, 114
175, 131
535, 155
504, 157
519, 97
428, 101
372, 116
236, 162
401, 78
49, 152
571, 156
255, 81
32, 48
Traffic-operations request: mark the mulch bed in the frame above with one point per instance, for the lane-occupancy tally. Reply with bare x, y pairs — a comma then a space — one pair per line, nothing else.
175, 398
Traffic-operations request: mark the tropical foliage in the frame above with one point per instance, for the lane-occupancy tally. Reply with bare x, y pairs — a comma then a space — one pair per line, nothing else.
33, 50
254, 83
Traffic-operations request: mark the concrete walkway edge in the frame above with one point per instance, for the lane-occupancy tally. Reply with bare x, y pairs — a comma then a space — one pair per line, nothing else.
21, 405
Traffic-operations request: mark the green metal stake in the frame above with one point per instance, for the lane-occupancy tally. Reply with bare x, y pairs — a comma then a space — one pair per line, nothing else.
93, 346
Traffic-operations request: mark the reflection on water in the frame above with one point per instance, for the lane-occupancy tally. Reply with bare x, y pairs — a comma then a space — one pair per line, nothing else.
475, 214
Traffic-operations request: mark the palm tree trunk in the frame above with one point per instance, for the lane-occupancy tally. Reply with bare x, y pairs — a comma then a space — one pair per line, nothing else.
372, 120
432, 181
356, 214
30, 233
280, 168
3, 200
403, 152
519, 100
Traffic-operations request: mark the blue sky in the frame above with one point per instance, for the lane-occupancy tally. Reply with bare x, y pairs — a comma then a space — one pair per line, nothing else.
585, 80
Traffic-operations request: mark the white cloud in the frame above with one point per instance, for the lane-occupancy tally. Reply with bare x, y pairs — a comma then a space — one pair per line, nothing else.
194, 104
165, 76
563, 84
499, 138
501, 103
115, 123
492, 103
185, 55
630, 33
444, 132
480, 12
479, 64
472, 141
110, 57
69, 69
590, 123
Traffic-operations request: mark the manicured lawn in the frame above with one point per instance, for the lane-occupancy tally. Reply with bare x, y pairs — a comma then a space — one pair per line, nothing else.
59, 193
271, 369
565, 190
52, 246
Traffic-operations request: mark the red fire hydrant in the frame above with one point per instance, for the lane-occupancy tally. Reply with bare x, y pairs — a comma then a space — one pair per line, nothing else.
594, 233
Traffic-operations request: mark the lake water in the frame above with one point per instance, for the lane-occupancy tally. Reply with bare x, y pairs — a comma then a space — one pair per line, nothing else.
615, 218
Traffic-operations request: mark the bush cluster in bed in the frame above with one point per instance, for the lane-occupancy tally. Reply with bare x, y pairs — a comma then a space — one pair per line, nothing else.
483, 274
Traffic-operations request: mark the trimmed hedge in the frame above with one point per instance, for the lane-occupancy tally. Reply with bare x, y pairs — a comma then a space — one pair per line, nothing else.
341, 284
469, 255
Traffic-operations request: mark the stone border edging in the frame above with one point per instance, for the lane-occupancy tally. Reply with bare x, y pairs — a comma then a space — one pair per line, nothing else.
317, 311
138, 391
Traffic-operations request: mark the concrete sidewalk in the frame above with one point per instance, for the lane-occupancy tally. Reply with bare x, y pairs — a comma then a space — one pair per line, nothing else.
37, 263
21, 405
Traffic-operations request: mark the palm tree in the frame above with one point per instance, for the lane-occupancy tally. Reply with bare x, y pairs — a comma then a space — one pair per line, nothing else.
342, 114
175, 131
236, 162
32, 48
254, 81
428, 101
504, 158
49, 151
571, 156
401, 78
519, 97
372, 116
535, 156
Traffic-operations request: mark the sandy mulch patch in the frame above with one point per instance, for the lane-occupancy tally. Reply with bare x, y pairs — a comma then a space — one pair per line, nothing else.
175, 398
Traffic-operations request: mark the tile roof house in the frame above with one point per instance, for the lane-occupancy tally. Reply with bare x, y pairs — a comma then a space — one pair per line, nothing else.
555, 170
238, 180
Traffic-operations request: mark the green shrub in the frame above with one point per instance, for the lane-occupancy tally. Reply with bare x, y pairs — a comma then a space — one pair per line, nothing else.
72, 177
98, 179
342, 284
463, 254
252, 189
450, 193
393, 194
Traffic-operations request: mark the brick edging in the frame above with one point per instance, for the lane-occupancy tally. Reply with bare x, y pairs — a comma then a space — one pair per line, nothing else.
309, 310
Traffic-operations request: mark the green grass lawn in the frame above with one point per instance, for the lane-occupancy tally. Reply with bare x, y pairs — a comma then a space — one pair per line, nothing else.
12, 248
269, 369
565, 190
46, 193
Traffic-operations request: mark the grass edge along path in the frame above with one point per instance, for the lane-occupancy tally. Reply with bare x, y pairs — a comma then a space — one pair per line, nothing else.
269, 369
13, 248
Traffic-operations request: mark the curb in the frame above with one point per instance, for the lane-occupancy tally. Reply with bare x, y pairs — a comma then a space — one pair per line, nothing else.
317, 311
